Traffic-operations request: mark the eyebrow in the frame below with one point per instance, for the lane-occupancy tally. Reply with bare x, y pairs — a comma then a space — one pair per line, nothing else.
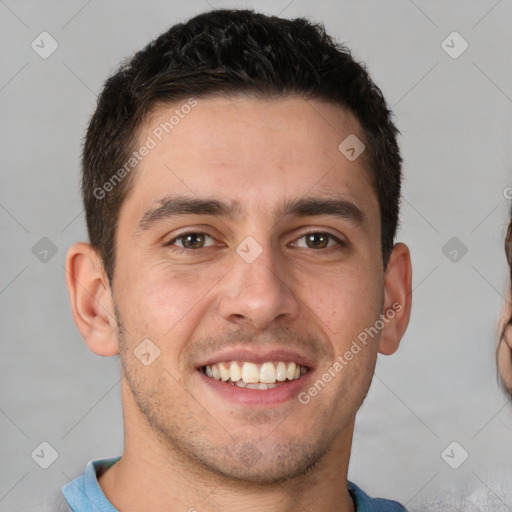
174, 206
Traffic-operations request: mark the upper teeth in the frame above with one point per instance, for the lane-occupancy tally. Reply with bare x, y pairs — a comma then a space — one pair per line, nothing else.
250, 373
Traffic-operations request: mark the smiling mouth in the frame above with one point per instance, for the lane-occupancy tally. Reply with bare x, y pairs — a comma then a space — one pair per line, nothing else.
255, 376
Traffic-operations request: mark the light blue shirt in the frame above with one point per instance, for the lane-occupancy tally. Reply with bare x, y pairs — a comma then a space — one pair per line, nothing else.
84, 494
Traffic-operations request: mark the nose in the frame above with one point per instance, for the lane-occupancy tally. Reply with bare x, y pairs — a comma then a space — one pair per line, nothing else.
258, 292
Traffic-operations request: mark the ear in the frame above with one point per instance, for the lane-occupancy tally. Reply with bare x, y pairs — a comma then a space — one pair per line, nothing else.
397, 299
91, 299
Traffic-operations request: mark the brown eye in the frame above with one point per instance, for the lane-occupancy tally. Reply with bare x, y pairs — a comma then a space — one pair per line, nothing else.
191, 240
319, 240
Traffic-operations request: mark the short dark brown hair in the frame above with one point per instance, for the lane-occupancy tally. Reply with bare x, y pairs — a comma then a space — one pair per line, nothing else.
231, 52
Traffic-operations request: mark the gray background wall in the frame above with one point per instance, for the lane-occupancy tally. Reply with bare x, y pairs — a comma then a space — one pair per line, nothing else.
455, 115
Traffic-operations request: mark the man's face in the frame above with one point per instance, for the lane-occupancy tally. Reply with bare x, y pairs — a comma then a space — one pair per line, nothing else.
249, 288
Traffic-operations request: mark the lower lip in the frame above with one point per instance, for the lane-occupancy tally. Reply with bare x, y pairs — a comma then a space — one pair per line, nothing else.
258, 397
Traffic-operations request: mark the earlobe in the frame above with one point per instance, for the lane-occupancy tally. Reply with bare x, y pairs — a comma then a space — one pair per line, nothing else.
397, 299
91, 300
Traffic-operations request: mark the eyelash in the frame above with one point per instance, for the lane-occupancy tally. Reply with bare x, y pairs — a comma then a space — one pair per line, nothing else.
170, 243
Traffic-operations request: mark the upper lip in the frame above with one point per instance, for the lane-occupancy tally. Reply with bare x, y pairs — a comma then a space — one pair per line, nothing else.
258, 356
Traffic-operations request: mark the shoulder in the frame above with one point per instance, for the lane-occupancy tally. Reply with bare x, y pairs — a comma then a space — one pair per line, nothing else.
365, 503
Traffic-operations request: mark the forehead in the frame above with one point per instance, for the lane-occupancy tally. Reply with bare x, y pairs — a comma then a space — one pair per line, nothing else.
250, 151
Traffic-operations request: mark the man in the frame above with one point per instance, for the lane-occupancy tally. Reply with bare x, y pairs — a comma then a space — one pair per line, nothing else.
241, 182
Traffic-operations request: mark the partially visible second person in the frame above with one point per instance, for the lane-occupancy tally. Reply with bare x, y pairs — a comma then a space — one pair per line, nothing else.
504, 351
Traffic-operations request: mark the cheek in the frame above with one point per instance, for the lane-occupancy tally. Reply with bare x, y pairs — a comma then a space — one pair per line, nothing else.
164, 305
345, 302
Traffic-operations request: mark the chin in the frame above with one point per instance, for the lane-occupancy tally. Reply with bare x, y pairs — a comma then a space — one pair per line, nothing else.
250, 462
